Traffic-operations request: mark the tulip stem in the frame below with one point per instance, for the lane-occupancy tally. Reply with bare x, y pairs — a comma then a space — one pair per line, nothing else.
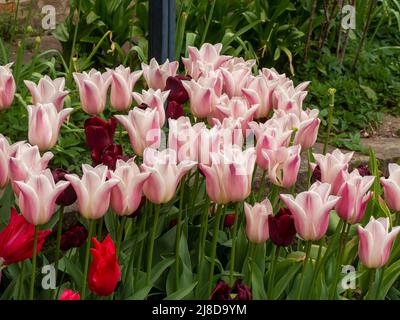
58, 241
331, 93
152, 240
34, 256
87, 256
378, 285
100, 229
234, 238
261, 187
178, 233
274, 258
214, 247
343, 239
308, 249
317, 264
120, 234
21, 280
203, 238
309, 172
371, 278
142, 229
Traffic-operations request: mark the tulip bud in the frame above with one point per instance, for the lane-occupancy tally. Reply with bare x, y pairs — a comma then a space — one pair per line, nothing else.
229, 220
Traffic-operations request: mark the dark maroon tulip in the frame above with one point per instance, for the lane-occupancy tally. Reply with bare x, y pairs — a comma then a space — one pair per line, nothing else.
143, 106
281, 228
68, 196
75, 237
177, 91
108, 156
363, 170
229, 220
222, 291
99, 133
174, 110
316, 175
242, 291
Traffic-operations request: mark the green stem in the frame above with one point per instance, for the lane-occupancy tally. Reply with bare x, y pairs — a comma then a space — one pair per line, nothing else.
214, 246
203, 38
309, 172
120, 234
71, 58
142, 229
21, 280
203, 238
378, 285
369, 295
331, 93
34, 256
308, 249
92, 224
272, 271
178, 233
152, 240
317, 265
100, 229
252, 260
234, 238
58, 241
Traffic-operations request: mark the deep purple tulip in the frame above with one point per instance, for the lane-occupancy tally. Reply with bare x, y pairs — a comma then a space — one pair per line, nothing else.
68, 196
281, 228
177, 92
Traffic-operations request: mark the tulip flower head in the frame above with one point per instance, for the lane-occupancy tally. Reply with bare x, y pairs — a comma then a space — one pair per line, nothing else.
165, 173
93, 87
93, 190
104, 271
44, 124
156, 75
376, 242
154, 100
70, 295
391, 187
16, 239
257, 221
99, 132
176, 89
38, 196
48, 91
282, 230
127, 194
7, 86
6, 152
311, 210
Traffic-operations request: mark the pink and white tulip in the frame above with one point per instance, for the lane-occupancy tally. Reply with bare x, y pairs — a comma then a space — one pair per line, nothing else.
93, 190
6, 152
311, 210
45, 123
38, 195
93, 87
283, 165
165, 175
156, 75
229, 176
333, 168
155, 99
354, 197
127, 193
143, 128
391, 187
257, 221
235, 80
376, 242
7, 86
122, 83
48, 91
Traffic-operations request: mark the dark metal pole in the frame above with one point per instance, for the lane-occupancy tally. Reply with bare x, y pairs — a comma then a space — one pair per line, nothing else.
162, 25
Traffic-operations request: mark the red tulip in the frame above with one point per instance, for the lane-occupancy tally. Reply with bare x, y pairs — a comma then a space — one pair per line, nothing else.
229, 220
177, 92
70, 295
281, 228
104, 272
174, 110
99, 133
16, 239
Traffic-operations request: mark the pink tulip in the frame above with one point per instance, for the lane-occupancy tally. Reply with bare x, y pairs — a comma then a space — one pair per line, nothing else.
143, 127
210, 140
205, 59
354, 197
230, 132
6, 152
184, 138
93, 87
7, 86
153, 99
333, 168
27, 160
127, 194
273, 75
311, 210
259, 91
93, 190
257, 221
156, 75
203, 95
44, 124
376, 242
271, 136
48, 91
238, 108
165, 174
235, 80
288, 98
391, 187
229, 176
238, 63
122, 83
38, 195
307, 129
283, 165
